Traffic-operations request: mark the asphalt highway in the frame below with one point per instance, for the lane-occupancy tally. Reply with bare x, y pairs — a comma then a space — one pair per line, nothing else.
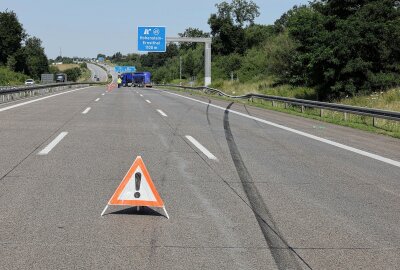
97, 72
245, 188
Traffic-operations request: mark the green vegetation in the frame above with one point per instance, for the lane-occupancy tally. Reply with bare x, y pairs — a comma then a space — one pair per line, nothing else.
19, 52
74, 72
85, 73
8, 77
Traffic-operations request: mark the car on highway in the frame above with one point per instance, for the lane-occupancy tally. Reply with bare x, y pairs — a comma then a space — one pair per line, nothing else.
29, 82
61, 77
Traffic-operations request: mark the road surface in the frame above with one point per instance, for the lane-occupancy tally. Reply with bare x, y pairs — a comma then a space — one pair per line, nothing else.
245, 188
97, 72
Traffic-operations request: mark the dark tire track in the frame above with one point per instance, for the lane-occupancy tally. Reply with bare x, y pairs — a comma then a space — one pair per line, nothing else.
284, 256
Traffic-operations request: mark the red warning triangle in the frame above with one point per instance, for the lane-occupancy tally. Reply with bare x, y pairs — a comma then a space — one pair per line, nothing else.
137, 188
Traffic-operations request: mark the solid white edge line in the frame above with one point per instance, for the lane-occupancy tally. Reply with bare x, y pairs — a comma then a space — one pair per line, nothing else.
304, 134
86, 110
162, 113
39, 99
201, 147
51, 145
97, 99
148, 101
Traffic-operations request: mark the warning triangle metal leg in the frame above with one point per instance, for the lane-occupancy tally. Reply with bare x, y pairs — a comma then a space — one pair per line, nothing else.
105, 209
166, 213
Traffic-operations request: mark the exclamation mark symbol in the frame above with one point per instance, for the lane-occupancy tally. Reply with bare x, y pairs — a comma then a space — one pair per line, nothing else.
138, 179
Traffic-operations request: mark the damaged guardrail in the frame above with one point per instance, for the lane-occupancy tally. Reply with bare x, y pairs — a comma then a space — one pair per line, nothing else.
303, 103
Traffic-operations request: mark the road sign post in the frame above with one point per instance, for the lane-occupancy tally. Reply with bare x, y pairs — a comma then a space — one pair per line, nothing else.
207, 54
151, 39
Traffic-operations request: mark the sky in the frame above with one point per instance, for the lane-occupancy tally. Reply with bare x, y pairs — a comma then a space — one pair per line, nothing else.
84, 28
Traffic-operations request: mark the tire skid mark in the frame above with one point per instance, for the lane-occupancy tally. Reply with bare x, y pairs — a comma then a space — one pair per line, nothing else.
208, 107
283, 255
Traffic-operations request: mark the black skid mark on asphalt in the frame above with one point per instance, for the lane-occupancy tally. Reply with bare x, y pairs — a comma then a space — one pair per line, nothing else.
283, 255
257, 123
208, 117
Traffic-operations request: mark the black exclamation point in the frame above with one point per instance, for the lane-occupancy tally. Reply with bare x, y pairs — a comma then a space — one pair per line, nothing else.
138, 179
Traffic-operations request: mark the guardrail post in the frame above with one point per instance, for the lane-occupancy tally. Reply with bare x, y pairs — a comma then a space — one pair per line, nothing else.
273, 103
321, 112
345, 116
286, 105
302, 108
373, 121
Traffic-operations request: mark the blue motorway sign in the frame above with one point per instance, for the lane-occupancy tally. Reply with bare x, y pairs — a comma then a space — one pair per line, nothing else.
124, 69
151, 39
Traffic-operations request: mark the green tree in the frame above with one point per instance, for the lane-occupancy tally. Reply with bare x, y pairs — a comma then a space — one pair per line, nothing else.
244, 12
117, 56
348, 46
228, 23
36, 59
192, 32
257, 34
11, 35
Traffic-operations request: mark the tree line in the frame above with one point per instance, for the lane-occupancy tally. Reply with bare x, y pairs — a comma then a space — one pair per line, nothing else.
18, 51
339, 47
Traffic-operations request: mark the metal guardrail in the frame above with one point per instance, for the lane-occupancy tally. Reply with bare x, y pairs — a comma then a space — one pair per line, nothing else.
16, 89
13, 93
375, 113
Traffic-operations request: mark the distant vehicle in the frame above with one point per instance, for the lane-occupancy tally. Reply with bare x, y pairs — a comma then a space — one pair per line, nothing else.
29, 82
97, 79
61, 77
137, 79
142, 79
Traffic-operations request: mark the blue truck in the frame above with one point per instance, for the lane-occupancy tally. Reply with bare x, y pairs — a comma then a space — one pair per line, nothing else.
137, 79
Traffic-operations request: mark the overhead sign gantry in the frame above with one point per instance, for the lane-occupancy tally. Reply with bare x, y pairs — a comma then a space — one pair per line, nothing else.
153, 39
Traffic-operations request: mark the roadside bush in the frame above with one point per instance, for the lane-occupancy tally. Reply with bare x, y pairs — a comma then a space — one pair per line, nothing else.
254, 65
8, 77
73, 74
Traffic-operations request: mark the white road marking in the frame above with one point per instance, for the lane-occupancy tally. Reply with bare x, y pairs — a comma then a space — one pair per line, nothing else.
339, 145
39, 99
201, 147
162, 113
86, 110
51, 145
103, 94
148, 101
97, 99
141, 95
